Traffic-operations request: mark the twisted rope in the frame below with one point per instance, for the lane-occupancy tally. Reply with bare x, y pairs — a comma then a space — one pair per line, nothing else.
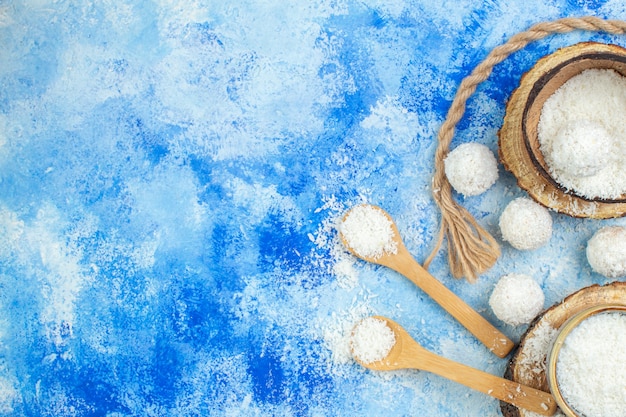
471, 249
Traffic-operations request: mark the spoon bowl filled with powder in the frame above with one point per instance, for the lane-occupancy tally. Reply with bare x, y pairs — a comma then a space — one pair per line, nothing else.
587, 363
562, 135
372, 341
369, 233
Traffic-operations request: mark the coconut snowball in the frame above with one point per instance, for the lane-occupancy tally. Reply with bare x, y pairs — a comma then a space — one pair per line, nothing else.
517, 299
525, 224
606, 251
581, 149
471, 168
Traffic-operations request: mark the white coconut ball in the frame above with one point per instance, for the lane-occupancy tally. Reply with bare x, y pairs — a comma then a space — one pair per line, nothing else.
471, 168
606, 251
525, 224
517, 299
581, 149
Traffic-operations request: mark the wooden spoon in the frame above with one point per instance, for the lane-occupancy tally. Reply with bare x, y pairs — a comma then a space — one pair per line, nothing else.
406, 353
403, 262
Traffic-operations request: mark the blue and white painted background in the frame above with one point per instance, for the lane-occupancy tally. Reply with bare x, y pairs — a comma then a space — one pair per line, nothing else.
170, 177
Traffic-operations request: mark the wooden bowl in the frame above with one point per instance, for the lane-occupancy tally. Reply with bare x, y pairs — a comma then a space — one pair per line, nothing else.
553, 354
518, 143
528, 364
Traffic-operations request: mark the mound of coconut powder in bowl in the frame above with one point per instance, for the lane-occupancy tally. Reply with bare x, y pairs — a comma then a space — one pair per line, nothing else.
591, 370
581, 134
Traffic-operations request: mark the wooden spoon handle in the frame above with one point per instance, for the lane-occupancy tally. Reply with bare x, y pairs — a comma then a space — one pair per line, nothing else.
508, 391
484, 331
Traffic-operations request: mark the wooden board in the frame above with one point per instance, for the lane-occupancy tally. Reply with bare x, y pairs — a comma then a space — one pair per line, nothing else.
527, 365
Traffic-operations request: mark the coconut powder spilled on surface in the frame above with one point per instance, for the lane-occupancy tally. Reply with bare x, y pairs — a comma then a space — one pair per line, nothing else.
591, 369
369, 232
532, 359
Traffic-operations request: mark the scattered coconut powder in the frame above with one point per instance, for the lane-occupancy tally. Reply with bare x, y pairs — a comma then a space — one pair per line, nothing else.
369, 232
606, 251
581, 134
591, 368
525, 224
533, 357
372, 340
